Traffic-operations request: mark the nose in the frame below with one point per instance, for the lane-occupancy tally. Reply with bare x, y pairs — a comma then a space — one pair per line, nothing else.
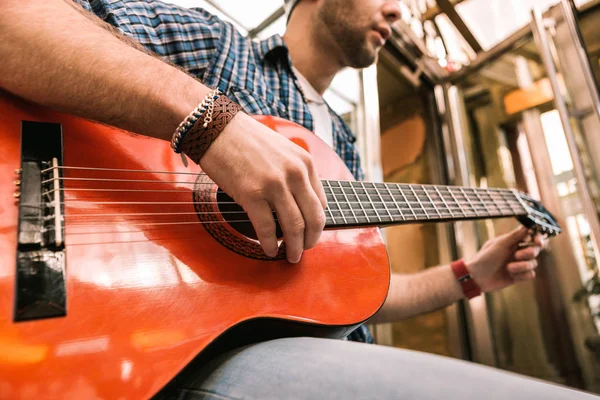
391, 11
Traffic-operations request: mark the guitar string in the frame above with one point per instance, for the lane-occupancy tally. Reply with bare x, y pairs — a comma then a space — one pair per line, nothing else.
494, 195
358, 220
404, 206
392, 186
364, 211
493, 190
75, 217
426, 207
413, 199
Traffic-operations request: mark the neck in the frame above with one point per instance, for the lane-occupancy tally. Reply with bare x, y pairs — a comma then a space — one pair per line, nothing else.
313, 61
357, 204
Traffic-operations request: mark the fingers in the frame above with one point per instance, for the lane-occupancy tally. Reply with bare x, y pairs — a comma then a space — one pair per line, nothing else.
260, 214
312, 201
292, 224
270, 173
513, 238
540, 241
520, 267
317, 186
525, 276
524, 264
311, 207
528, 253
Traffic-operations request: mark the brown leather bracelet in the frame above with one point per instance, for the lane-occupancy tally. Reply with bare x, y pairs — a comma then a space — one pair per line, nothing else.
198, 139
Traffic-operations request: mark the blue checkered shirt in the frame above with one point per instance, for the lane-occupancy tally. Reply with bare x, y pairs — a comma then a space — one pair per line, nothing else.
255, 74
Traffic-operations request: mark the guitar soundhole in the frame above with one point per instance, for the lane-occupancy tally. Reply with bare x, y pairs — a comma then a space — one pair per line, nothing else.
237, 218
227, 222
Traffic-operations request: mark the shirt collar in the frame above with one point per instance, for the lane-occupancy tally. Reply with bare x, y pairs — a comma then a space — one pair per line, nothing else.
272, 47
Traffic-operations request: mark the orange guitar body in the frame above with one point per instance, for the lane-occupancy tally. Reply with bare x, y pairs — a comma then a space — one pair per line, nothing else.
144, 300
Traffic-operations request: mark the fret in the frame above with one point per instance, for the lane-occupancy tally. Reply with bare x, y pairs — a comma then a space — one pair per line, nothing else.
482, 202
500, 195
469, 201
395, 202
366, 191
373, 204
330, 215
383, 201
348, 201
511, 195
429, 197
456, 201
444, 201
359, 203
339, 208
502, 201
328, 206
407, 202
487, 191
419, 201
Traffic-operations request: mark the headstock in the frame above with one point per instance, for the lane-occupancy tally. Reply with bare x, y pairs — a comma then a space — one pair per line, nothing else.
537, 218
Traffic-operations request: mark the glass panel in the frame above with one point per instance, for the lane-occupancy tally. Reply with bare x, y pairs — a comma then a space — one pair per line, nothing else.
578, 226
491, 21
557, 143
509, 150
459, 53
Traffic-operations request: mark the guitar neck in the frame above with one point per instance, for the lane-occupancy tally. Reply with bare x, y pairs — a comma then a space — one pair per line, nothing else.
360, 204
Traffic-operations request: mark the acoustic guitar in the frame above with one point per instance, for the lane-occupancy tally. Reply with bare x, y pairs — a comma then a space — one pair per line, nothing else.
120, 266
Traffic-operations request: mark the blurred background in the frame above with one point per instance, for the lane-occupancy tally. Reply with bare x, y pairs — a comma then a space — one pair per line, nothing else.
484, 93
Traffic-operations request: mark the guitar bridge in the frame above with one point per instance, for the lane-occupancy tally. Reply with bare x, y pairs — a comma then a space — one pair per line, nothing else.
41, 254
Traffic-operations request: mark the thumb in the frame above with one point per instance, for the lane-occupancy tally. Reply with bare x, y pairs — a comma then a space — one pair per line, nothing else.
516, 236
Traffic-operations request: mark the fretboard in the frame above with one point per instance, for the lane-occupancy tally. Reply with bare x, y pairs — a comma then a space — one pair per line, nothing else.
353, 204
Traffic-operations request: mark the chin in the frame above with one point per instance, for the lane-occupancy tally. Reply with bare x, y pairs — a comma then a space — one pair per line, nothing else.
363, 59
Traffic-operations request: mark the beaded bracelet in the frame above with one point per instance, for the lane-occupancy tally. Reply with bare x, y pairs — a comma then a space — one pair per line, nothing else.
184, 127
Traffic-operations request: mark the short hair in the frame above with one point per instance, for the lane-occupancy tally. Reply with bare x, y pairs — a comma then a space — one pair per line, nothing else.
289, 6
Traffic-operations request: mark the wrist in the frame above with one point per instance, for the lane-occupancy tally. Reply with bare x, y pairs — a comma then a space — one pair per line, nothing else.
464, 279
203, 125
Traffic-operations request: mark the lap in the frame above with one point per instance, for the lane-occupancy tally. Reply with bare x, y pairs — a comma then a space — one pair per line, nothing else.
309, 368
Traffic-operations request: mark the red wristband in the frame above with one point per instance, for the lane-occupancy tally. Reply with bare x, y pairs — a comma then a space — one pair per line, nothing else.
467, 284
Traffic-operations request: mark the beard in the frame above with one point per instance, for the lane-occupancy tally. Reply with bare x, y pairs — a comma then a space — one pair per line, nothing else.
348, 30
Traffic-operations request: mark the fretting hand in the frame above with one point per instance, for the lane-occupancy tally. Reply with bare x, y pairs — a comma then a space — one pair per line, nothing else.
501, 262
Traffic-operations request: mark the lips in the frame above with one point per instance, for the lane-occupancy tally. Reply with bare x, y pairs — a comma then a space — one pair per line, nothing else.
384, 31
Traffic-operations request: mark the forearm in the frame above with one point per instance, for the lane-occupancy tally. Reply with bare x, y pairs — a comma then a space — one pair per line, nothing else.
52, 54
415, 294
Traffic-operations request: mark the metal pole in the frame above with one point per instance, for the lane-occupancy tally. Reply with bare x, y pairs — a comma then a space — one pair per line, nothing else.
567, 7
541, 38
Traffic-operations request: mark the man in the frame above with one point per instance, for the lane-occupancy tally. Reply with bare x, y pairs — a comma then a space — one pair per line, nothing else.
56, 54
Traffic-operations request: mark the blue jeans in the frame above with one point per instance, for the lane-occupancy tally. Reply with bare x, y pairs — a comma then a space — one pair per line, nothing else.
309, 368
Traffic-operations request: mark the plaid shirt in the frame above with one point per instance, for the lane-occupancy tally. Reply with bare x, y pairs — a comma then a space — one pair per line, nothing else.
255, 74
